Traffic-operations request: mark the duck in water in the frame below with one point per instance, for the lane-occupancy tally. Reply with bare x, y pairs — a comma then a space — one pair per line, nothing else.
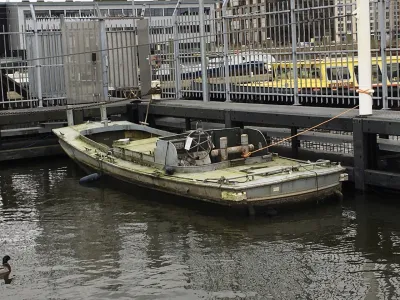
5, 270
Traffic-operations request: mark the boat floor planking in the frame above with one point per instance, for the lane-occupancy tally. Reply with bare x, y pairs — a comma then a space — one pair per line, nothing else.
272, 181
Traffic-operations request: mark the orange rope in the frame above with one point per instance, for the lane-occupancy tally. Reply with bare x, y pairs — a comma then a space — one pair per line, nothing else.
300, 133
367, 92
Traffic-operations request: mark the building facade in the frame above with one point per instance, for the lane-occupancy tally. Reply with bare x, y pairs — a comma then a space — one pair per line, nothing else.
346, 22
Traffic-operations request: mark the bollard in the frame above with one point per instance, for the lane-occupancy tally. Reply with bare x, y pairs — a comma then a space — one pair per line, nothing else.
223, 145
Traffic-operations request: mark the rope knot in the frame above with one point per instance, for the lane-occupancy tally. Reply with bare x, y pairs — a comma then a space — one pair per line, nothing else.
369, 92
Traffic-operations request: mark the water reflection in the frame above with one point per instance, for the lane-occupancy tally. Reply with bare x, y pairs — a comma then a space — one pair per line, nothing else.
73, 242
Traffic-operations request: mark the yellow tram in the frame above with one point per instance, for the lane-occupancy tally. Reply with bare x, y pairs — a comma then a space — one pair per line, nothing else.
329, 76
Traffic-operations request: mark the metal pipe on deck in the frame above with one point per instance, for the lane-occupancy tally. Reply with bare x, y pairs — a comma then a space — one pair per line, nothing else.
223, 145
232, 150
364, 57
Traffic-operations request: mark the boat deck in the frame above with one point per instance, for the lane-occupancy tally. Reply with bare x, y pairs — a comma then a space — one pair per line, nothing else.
234, 174
145, 146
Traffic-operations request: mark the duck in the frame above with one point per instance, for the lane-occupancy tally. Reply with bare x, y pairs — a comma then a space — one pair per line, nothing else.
5, 269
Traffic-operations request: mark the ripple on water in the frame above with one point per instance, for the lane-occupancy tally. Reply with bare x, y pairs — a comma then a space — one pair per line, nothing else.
68, 241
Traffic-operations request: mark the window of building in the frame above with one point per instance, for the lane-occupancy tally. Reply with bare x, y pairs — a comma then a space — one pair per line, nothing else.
194, 11
146, 11
183, 11
128, 12
72, 14
42, 13
168, 11
157, 30
156, 12
104, 12
206, 10
57, 13
87, 12
115, 13
27, 14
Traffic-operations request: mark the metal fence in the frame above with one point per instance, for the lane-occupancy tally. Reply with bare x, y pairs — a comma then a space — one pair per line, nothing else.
253, 51
283, 52
62, 64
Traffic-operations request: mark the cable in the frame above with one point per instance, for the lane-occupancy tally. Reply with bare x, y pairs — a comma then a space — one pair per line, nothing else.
300, 133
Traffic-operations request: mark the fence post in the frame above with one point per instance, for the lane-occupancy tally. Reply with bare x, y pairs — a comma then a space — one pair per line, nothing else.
104, 59
37, 56
364, 55
382, 29
204, 72
144, 57
177, 65
135, 52
294, 51
225, 33
104, 67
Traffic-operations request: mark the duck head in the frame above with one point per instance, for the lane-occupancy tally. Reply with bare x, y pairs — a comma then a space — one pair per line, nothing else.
6, 259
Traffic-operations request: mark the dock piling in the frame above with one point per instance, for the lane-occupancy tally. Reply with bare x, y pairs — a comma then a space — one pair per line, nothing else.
70, 116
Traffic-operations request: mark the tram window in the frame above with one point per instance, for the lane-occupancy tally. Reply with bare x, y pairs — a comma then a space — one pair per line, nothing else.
376, 73
393, 72
338, 73
285, 73
308, 73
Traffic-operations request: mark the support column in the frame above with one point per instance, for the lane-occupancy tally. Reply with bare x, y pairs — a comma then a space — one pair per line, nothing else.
227, 117
188, 124
78, 116
295, 142
103, 114
70, 116
364, 54
365, 153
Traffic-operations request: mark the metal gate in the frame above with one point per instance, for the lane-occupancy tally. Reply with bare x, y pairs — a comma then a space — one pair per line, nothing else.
85, 66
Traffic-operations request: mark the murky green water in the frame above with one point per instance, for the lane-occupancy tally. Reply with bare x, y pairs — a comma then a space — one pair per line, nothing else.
73, 242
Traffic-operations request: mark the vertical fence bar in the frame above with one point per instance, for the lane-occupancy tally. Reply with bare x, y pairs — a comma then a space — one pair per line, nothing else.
364, 57
204, 72
382, 29
225, 30
294, 53
177, 67
104, 59
37, 61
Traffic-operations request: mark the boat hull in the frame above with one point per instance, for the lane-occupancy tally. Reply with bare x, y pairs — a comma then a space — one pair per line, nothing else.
258, 196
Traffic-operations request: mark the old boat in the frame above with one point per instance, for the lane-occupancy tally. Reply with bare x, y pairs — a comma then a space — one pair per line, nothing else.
207, 165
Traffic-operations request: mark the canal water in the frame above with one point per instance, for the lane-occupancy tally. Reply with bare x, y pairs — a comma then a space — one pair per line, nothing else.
69, 241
